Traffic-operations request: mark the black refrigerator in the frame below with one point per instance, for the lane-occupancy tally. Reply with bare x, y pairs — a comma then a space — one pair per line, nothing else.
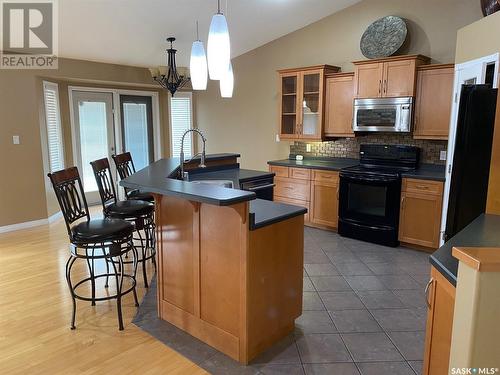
471, 159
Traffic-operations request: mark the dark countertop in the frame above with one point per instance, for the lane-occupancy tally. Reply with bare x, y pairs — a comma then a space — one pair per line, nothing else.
158, 178
434, 172
263, 213
332, 164
424, 172
482, 232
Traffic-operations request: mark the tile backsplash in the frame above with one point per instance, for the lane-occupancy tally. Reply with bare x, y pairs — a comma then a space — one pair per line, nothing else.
349, 147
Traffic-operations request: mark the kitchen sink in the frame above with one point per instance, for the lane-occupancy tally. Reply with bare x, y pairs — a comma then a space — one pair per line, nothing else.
223, 183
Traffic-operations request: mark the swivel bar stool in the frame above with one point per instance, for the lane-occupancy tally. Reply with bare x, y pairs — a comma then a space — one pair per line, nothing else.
139, 212
93, 240
125, 167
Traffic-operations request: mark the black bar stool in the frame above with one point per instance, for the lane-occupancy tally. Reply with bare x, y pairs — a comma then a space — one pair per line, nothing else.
91, 240
139, 212
125, 167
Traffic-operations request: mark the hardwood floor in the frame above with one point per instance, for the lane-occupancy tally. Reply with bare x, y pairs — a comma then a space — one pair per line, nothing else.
35, 313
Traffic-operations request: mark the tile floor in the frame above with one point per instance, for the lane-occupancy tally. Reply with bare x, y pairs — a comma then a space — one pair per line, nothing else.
364, 313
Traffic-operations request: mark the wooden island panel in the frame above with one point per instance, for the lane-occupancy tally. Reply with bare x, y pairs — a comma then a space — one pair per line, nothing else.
235, 289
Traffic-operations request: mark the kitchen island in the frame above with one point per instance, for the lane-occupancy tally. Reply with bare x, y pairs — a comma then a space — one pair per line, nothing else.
230, 266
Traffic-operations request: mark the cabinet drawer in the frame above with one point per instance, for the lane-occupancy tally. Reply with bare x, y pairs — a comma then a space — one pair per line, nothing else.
295, 189
422, 186
326, 176
300, 173
279, 171
295, 202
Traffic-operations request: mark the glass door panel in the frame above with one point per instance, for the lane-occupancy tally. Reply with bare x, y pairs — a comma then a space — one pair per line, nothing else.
94, 135
288, 105
137, 129
311, 105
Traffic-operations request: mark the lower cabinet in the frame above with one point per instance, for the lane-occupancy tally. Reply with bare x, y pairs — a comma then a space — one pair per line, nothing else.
420, 212
440, 302
325, 198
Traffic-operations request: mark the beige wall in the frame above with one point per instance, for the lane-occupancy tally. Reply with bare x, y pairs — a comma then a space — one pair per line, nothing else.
247, 123
24, 192
478, 39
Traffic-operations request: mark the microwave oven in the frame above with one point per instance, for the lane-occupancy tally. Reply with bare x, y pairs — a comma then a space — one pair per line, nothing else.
383, 115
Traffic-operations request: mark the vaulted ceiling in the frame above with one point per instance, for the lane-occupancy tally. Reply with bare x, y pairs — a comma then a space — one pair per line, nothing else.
133, 32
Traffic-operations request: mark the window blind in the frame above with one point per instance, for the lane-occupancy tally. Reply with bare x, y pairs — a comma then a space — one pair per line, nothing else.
181, 120
53, 123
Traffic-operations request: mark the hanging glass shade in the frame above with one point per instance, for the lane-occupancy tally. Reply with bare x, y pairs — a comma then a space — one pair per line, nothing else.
198, 66
227, 82
218, 46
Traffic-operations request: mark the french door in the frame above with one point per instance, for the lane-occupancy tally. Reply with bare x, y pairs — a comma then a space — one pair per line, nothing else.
93, 135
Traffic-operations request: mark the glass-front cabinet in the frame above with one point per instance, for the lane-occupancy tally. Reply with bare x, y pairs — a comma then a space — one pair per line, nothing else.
302, 94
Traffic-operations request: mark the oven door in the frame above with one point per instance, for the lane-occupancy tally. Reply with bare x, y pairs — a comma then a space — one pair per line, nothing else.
370, 201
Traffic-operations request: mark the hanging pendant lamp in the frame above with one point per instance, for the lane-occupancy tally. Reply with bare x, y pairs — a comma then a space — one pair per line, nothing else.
218, 46
198, 64
227, 82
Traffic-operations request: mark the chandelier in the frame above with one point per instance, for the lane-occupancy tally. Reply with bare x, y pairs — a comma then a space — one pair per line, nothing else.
169, 78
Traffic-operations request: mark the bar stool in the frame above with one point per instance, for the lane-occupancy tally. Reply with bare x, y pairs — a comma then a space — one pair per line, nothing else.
91, 240
139, 212
125, 167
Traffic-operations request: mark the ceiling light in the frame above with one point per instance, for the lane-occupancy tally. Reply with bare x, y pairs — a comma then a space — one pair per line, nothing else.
227, 82
198, 64
218, 46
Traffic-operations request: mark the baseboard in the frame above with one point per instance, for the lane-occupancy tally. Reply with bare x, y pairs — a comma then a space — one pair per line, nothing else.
31, 224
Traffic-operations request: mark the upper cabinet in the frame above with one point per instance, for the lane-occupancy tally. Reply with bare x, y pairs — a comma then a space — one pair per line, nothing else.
386, 78
302, 97
433, 101
339, 105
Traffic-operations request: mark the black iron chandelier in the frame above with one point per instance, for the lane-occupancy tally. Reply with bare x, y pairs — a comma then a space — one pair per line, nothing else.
170, 79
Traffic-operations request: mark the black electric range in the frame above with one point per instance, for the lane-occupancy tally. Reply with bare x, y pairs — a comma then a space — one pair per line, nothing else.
369, 195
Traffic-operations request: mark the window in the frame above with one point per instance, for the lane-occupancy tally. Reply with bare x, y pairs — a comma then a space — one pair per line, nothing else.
53, 123
181, 119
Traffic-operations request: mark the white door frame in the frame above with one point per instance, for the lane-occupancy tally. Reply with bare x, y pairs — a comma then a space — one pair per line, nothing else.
481, 63
117, 116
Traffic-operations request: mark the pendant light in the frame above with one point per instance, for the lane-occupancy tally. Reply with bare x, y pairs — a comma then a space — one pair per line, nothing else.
198, 64
218, 46
227, 82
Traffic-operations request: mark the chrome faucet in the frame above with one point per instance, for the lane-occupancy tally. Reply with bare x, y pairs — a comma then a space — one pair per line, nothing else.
202, 162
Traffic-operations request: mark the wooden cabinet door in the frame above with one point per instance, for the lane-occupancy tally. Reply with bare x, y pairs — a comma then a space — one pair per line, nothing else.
339, 106
433, 102
289, 105
420, 218
398, 78
441, 304
325, 198
310, 107
368, 80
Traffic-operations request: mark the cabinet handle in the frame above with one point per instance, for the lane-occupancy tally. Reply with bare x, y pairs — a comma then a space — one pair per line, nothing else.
338, 193
423, 187
402, 203
385, 86
380, 87
427, 287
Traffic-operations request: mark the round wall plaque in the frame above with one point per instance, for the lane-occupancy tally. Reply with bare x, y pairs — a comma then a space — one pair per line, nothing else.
384, 37
490, 6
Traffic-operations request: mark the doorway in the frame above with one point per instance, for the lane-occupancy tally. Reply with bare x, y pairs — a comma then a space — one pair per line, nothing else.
479, 71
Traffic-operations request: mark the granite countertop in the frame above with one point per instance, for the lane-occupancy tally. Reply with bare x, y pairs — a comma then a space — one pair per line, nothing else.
158, 178
424, 172
482, 232
263, 213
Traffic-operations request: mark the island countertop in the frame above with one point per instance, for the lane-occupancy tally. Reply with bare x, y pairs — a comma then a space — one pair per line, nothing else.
160, 178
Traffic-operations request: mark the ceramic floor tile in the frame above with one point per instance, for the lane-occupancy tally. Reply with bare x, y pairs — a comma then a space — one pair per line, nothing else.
316, 256
330, 283
410, 344
366, 347
412, 298
282, 370
354, 269
365, 283
321, 269
354, 321
399, 319
399, 282
416, 366
341, 300
322, 348
312, 301
385, 368
386, 268
283, 352
331, 369
380, 299
307, 285
314, 322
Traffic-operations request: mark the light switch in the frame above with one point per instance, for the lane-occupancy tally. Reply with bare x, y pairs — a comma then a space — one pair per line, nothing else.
277, 137
442, 155
16, 140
